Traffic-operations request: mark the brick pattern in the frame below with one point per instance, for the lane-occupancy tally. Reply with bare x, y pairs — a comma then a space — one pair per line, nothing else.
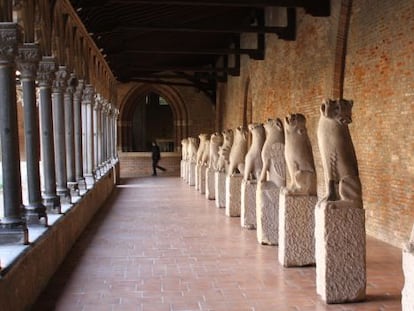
379, 77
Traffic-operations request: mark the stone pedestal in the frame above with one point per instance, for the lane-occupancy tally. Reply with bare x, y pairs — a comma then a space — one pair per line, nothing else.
267, 213
202, 180
248, 204
187, 172
220, 189
197, 176
408, 290
210, 184
296, 230
182, 169
340, 253
233, 195
192, 174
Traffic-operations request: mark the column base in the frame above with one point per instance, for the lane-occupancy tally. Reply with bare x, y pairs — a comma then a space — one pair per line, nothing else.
267, 213
64, 195
233, 195
296, 230
340, 252
13, 234
73, 188
52, 203
35, 214
90, 180
248, 204
81, 183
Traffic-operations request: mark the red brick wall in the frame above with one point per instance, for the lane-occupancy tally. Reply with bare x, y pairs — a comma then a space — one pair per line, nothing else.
379, 77
135, 164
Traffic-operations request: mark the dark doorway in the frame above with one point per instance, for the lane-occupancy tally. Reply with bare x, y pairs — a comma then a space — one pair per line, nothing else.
152, 120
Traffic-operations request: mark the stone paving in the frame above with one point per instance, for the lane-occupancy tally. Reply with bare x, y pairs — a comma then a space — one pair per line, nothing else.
159, 245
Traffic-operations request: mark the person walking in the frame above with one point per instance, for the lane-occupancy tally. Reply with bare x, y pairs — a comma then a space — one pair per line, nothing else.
156, 157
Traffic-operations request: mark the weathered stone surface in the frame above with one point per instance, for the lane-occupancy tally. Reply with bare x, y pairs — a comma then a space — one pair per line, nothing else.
340, 253
253, 160
183, 165
248, 204
233, 195
192, 174
408, 269
210, 183
198, 176
220, 189
238, 152
267, 213
296, 230
202, 180
408, 290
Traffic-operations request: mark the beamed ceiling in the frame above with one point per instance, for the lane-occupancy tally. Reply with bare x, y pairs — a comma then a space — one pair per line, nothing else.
185, 42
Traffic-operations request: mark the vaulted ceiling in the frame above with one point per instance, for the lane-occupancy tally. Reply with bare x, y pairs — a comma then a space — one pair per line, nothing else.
184, 42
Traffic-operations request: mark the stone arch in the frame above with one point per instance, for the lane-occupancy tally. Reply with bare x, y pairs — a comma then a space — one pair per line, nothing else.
177, 105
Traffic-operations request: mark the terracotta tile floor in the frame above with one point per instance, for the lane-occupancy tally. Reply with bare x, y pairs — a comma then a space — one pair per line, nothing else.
159, 245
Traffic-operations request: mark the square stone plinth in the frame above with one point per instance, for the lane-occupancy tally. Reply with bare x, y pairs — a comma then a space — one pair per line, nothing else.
248, 204
198, 176
340, 253
408, 290
192, 174
296, 230
202, 180
233, 195
210, 184
220, 189
182, 168
267, 213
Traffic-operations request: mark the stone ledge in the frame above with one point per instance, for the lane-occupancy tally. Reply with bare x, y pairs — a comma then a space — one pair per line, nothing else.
25, 278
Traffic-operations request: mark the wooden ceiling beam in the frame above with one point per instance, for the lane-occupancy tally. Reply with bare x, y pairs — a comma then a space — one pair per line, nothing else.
186, 51
205, 29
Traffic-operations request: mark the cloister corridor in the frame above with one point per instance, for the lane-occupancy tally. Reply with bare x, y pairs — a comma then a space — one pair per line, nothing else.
158, 244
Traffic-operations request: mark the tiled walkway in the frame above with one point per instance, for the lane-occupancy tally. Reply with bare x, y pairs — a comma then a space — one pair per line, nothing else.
160, 245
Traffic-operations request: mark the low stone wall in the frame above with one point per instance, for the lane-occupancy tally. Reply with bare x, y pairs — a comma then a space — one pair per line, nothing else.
22, 283
137, 164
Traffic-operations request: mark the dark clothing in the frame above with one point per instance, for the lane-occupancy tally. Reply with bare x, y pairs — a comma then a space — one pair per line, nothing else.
156, 157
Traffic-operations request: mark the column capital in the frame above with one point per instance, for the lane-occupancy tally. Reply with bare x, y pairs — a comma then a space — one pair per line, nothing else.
8, 42
80, 87
46, 71
28, 57
72, 83
61, 77
88, 94
98, 102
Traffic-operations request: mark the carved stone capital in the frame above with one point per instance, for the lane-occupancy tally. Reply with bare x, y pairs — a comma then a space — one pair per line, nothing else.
79, 88
61, 77
46, 71
8, 42
88, 94
98, 102
72, 83
28, 57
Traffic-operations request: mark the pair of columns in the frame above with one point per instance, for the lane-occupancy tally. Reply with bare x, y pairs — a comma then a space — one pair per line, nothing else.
62, 99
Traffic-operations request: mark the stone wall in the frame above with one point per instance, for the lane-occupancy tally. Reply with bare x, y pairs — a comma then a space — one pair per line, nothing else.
378, 76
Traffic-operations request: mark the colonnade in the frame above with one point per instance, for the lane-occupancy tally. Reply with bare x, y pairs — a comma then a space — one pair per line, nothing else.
69, 115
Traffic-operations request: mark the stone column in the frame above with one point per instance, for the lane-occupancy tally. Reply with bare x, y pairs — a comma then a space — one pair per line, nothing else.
59, 85
109, 133
77, 123
96, 133
13, 228
27, 61
88, 101
70, 136
45, 74
115, 134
